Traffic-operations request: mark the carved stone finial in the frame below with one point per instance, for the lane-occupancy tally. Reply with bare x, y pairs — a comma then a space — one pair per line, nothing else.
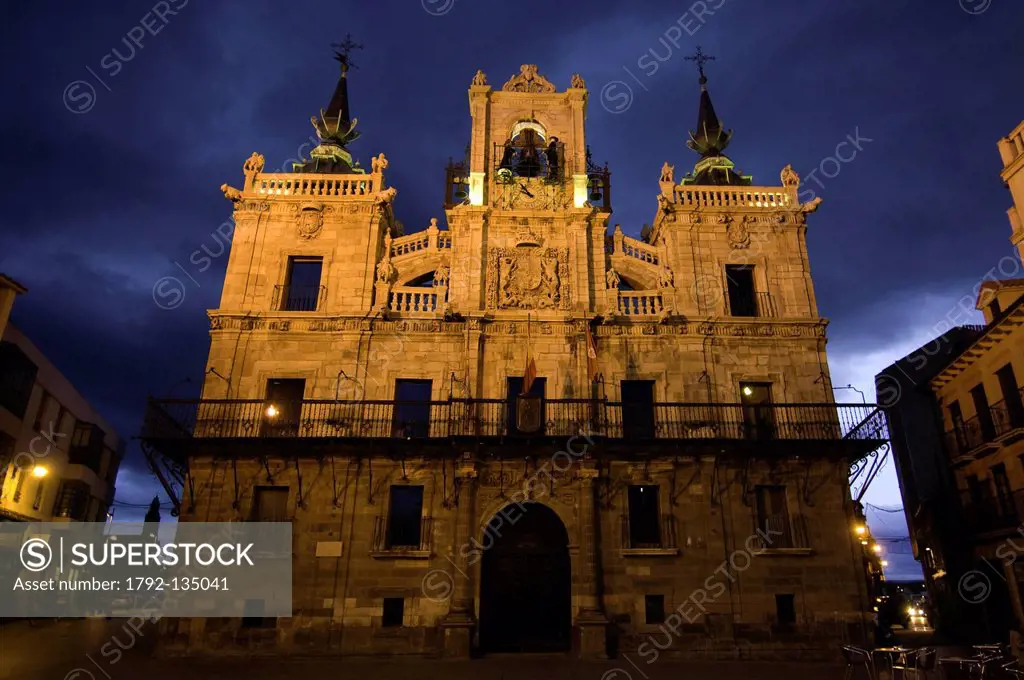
612, 279
578, 82
252, 167
618, 228
667, 173
529, 80
433, 224
789, 177
378, 164
480, 79
386, 271
441, 275
231, 193
666, 278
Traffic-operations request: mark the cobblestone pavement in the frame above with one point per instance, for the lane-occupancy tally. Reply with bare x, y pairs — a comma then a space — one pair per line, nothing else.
109, 650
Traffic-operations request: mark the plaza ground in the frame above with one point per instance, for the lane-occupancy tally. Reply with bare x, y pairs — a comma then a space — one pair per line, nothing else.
92, 650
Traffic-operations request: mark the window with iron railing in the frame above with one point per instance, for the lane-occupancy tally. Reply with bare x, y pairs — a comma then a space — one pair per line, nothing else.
301, 291
644, 521
405, 512
17, 377
774, 524
73, 500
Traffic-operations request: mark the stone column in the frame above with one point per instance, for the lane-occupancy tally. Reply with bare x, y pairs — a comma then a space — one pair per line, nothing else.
457, 626
590, 618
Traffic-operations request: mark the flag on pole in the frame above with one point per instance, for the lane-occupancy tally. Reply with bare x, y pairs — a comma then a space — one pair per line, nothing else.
530, 373
591, 355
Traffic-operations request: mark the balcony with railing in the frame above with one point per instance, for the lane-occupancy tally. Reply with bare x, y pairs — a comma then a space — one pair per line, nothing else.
657, 539
172, 424
782, 534
986, 512
417, 301
389, 543
695, 197
298, 298
987, 432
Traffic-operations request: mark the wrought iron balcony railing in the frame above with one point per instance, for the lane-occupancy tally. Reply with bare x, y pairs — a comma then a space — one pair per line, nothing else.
985, 511
1002, 418
298, 298
177, 419
385, 540
780, 532
657, 536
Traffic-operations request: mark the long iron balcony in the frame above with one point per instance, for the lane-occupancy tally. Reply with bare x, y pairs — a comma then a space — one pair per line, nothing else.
170, 420
1003, 421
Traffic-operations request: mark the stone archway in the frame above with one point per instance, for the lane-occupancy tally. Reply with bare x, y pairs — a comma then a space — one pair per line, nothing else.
526, 582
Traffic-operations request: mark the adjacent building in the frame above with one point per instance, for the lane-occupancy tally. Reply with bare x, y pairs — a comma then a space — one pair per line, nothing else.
956, 408
58, 457
526, 431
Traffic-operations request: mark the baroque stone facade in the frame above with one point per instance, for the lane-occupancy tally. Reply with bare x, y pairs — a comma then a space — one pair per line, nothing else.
648, 349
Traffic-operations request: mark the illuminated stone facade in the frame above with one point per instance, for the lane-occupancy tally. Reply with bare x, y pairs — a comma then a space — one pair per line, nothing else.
649, 354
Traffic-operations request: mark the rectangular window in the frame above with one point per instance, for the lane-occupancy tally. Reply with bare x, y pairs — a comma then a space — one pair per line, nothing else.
86, 446
644, 516
252, 615
1004, 494
785, 609
412, 409
740, 282
980, 399
40, 424
637, 409
37, 502
301, 290
405, 514
270, 504
394, 612
525, 416
73, 501
773, 516
283, 409
7, 444
17, 377
758, 417
654, 609
1011, 395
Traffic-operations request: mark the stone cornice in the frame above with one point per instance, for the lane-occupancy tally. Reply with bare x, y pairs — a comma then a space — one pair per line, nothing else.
569, 326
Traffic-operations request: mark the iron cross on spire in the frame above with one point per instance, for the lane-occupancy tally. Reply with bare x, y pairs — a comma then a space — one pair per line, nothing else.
701, 59
343, 50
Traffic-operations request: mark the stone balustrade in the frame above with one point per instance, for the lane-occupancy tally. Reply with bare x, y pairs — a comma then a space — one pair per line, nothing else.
430, 238
640, 302
631, 247
412, 300
316, 186
694, 197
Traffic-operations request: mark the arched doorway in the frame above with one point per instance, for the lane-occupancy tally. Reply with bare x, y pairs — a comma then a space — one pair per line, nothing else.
526, 584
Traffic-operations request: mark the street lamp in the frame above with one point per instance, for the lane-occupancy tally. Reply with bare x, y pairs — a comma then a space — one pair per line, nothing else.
39, 471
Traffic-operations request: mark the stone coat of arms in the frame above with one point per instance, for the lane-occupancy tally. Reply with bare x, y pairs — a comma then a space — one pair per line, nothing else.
310, 222
528, 278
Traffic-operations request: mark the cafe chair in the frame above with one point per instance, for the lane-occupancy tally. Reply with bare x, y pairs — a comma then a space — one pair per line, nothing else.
856, 657
916, 664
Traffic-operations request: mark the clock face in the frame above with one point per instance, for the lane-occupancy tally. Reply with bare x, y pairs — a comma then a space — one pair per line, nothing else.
531, 194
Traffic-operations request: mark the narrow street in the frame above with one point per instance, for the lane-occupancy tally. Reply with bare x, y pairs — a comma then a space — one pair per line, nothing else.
110, 650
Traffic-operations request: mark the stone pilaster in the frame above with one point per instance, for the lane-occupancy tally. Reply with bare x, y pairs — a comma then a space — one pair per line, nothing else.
457, 626
590, 618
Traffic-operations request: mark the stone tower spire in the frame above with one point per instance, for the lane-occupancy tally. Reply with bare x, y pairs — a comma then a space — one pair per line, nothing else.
335, 126
710, 139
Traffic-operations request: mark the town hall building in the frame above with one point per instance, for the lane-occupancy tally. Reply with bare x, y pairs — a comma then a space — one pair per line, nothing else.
519, 429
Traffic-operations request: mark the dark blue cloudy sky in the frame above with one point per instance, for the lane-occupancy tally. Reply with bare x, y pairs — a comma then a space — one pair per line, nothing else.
112, 180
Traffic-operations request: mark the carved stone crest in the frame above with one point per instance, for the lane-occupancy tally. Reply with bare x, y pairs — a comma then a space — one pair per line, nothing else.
310, 221
528, 278
528, 80
739, 237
